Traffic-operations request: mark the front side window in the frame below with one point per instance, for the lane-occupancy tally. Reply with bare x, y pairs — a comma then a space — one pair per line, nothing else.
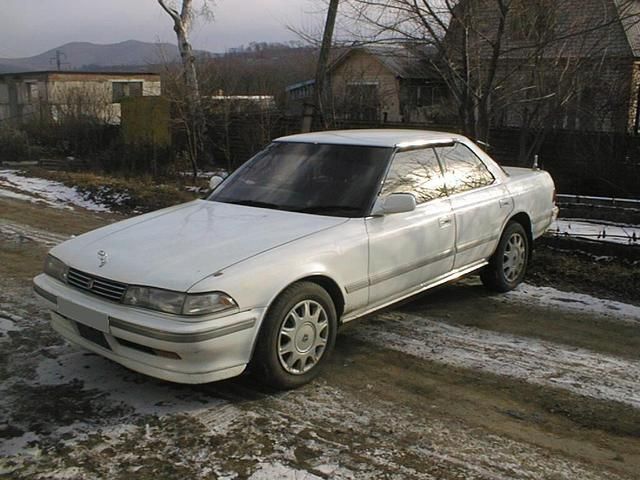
463, 169
333, 180
417, 172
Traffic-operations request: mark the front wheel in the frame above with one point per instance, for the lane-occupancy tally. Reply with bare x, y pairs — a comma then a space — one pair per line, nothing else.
297, 336
508, 264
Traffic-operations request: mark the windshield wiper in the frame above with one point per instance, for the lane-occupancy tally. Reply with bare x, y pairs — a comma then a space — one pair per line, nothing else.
329, 209
254, 203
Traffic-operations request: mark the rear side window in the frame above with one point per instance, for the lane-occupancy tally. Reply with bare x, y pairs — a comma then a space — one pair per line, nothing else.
417, 172
463, 169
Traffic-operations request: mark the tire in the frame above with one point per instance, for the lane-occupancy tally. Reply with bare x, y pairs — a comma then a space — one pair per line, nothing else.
508, 265
297, 336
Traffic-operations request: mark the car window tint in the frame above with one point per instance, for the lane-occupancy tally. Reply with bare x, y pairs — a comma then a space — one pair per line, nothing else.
417, 172
463, 169
323, 179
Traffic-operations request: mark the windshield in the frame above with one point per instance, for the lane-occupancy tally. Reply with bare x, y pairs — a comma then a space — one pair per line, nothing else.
336, 180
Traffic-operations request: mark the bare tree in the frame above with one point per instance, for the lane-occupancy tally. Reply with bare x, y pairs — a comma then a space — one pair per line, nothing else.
491, 53
323, 62
182, 24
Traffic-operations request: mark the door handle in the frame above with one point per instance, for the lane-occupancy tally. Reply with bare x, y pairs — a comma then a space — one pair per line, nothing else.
444, 222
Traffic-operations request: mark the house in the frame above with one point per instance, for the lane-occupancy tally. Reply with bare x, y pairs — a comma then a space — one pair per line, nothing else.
54, 95
382, 83
571, 65
222, 103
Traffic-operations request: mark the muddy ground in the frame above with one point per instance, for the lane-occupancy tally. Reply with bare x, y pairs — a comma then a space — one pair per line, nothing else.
455, 384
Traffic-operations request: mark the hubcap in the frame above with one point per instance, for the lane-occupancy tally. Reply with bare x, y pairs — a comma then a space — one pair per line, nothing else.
514, 257
302, 338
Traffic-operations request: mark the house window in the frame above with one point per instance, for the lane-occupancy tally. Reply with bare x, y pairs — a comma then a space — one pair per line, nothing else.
427, 95
126, 89
362, 101
32, 92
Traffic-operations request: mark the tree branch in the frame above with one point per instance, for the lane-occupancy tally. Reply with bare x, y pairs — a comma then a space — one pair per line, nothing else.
173, 13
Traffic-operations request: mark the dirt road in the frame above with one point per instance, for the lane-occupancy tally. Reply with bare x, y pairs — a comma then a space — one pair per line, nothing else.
456, 384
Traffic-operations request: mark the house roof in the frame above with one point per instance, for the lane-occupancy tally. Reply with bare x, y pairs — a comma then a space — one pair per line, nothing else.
74, 72
295, 86
587, 28
408, 61
629, 12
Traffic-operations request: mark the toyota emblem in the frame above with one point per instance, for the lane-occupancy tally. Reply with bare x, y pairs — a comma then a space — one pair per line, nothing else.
102, 258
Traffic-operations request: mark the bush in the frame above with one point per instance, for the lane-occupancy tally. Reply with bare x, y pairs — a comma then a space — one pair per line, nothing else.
14, 145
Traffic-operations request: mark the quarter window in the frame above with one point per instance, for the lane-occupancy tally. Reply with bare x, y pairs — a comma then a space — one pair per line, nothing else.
463, 169
417, 172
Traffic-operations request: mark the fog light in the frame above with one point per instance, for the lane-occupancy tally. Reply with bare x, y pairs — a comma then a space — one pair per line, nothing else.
165, 354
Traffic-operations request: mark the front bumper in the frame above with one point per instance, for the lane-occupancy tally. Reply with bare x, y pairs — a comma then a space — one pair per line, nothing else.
153, 343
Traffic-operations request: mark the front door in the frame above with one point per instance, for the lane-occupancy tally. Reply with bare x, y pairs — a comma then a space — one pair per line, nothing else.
409, 249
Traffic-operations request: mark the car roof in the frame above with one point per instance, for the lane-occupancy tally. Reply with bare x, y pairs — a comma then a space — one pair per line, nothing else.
374, 137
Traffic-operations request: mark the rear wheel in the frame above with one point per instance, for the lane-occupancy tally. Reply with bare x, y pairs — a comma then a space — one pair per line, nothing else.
297, 336
508, 264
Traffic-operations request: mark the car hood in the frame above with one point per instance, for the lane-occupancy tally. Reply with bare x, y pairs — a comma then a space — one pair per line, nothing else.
177, 247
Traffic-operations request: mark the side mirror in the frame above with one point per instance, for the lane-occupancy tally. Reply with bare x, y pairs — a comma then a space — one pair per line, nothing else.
215, 181
394, 203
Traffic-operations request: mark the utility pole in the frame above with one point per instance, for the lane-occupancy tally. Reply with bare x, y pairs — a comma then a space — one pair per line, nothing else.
58, 59
316, 110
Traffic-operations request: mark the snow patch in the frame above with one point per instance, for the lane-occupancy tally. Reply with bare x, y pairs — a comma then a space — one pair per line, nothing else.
145, 395
40, 190
19, 445
535, 361
14, 231
577, 302
278, 471
7, 325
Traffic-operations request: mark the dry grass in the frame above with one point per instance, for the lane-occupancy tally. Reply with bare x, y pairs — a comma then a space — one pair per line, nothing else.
125, 195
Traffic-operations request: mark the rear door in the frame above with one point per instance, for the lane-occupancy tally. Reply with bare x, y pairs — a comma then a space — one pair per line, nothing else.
480, 203
409, 249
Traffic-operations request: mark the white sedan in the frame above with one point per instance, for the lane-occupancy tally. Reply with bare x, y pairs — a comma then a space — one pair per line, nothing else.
314, 231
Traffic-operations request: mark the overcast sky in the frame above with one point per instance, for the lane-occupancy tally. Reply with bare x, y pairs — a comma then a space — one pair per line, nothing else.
29, 27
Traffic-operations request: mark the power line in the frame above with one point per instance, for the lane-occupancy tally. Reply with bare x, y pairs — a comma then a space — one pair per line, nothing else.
58, 59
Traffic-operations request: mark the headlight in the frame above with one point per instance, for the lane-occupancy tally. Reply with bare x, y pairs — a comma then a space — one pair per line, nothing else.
203, 303
55, 268
178, 303
155, 299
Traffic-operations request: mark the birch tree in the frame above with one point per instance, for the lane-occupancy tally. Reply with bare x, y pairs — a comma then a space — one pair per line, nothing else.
195, 125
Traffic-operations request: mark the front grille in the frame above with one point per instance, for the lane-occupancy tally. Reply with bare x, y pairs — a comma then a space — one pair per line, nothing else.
98, 286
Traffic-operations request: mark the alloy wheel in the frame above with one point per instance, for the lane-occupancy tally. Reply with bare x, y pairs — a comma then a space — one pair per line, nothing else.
303, 337
514, 257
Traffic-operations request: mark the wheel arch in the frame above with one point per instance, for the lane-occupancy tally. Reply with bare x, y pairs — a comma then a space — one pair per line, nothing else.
332, 288
260, 352
324, 281
523, 219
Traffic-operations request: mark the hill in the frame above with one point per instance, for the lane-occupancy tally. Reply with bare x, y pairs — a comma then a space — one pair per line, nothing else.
85, 55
